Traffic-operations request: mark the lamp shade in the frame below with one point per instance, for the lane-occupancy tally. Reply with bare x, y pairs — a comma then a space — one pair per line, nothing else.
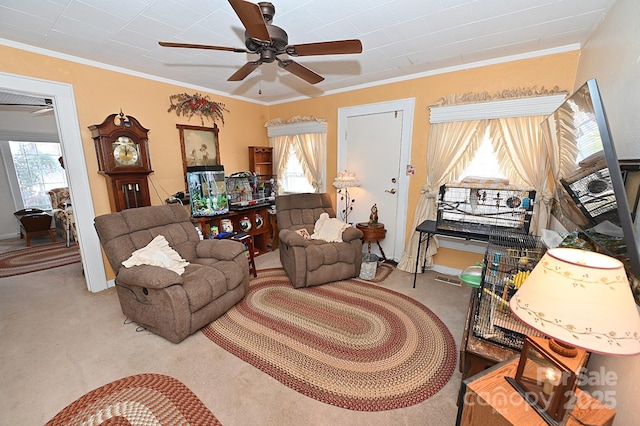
346, 180
581, 298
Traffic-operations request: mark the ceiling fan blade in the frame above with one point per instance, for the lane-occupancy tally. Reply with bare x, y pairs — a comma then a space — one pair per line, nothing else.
251, 16
338, 47
42, 111
301, 71
244, 71
202, 46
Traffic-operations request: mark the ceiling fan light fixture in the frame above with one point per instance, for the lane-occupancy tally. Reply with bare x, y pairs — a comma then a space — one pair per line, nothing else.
269, 41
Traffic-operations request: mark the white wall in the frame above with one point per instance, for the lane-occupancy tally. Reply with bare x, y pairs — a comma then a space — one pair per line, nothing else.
612, 56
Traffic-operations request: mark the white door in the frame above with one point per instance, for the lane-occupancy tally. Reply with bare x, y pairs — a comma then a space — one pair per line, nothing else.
374, 143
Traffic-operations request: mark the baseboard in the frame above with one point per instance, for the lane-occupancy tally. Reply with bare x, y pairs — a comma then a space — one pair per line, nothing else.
445, 270
10, 236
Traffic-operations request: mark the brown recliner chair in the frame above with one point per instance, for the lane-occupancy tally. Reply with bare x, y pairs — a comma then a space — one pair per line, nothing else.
310, 262
171, 305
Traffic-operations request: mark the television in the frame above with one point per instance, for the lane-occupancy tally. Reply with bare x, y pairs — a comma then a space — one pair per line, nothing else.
207, 191
590, 190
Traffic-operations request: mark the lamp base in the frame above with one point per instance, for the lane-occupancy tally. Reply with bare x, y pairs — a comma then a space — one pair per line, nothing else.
563, 349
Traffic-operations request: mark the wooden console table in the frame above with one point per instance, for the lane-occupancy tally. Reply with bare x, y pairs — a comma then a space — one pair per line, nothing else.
488, 399
260, 230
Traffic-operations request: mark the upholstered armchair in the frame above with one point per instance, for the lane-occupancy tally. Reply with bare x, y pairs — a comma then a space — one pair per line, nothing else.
308, 261
157, 297
63, 214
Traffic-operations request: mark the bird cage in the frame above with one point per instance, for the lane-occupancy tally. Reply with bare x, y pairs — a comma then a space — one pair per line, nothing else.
485, 210
508, 260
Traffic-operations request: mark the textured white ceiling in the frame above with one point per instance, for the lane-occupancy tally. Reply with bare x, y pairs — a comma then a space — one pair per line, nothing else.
401, 38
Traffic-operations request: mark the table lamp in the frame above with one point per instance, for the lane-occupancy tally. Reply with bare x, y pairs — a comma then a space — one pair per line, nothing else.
582, 300
343, 182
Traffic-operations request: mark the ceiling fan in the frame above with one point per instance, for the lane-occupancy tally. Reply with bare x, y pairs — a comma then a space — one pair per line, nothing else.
16, 102
269, 41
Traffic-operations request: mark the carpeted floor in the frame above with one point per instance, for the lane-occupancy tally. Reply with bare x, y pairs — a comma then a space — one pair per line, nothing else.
60, 342
347, 343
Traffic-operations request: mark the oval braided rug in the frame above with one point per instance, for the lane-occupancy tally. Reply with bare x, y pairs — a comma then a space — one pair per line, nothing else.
37, 258
348, 343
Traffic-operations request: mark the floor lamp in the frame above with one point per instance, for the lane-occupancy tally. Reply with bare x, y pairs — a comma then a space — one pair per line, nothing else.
343, 182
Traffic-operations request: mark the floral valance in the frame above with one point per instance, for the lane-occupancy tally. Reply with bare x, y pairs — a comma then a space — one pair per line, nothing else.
519, 92
297, 125
516, 102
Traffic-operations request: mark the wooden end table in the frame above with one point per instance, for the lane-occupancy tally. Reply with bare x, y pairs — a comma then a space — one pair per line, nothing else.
488, 399
372, 233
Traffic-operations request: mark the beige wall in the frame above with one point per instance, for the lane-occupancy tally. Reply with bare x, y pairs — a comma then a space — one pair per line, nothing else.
612, 56
548, 71
100, 92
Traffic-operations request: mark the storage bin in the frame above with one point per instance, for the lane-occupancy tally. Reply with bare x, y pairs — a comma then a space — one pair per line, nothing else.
369, 266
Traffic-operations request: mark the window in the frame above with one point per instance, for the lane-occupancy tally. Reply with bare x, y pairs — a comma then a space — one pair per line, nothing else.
484, 163
37, 171
294, 180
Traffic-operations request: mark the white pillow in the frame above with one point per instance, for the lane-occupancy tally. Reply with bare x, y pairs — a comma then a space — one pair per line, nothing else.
157, 253
329, 229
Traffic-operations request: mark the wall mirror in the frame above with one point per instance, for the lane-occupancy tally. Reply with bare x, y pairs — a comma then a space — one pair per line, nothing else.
590, 192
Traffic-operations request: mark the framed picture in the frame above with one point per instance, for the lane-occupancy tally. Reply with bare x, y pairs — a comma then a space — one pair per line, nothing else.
200, 146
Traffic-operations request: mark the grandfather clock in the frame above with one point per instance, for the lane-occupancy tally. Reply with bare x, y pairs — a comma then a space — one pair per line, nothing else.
122, 148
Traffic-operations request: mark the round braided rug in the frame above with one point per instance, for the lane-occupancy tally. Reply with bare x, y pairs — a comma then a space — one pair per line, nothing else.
143, 399
349, 343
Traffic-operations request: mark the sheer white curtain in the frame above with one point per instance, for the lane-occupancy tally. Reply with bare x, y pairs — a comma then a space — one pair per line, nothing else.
451, 147
520, 147
307, 137
310, 150
280, 145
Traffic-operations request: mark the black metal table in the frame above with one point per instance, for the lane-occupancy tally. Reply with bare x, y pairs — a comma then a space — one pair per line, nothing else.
429, 228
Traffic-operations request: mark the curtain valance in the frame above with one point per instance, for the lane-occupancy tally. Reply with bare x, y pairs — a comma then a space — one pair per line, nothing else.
295, 126
505, 104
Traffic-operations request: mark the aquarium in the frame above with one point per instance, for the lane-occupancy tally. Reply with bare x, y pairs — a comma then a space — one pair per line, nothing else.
207, 191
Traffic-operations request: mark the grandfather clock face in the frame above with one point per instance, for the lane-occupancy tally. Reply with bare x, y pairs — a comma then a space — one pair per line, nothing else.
123, 158
126, 152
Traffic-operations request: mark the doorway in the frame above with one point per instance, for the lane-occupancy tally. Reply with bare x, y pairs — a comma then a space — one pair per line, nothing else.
374, 142
75, 166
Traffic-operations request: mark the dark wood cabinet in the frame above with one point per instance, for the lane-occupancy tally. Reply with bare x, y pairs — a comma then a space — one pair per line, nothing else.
261, 160
258, 217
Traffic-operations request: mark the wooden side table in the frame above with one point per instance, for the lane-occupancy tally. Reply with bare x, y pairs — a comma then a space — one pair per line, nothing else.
247, 240
34, 222
488, 399
373, 233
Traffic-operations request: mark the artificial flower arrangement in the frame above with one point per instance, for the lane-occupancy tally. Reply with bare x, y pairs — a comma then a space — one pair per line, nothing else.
196, 104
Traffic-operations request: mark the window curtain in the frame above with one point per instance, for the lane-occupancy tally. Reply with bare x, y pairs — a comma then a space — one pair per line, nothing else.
310, 150
307, 136
451, 148
280, 145
522, 154
457, 123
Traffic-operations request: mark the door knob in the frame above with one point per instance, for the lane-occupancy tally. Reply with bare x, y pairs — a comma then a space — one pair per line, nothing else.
390, 191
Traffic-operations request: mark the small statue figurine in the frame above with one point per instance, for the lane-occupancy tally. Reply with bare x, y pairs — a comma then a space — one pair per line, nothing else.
373, 217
